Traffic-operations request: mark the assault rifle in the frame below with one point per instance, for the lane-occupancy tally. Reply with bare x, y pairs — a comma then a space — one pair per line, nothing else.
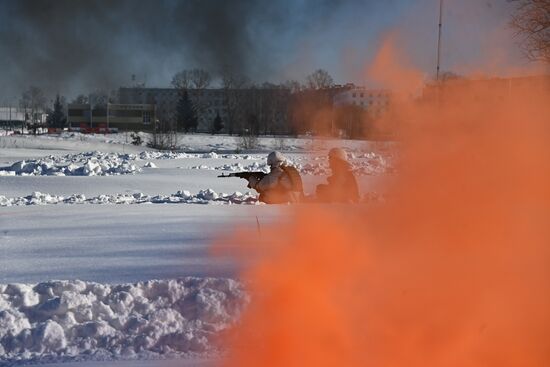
246, 175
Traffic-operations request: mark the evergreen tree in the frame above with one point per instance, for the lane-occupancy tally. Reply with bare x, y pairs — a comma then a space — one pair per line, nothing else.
218, 124
186, 116
57, 117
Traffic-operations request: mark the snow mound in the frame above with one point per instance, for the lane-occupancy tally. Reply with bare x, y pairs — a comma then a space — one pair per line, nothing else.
207, 196
102, 164
180, 155
60, 320
236, 167
364, 164
82, 164
163, 155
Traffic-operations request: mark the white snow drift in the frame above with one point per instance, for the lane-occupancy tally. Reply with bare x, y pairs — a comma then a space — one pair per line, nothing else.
207, 196
82, 164
106, 164
84, 320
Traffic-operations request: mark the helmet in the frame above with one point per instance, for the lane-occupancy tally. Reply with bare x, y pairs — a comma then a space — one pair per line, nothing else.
338, 153
275, 158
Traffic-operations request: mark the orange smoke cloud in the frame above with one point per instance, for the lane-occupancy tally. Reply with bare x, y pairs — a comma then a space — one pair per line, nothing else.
391, 70
454, 270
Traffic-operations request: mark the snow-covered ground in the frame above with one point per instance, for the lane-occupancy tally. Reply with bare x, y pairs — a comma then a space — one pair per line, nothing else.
81, 320
83, 280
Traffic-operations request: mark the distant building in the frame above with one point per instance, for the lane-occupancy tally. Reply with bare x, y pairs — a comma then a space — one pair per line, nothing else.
375, 101
12, 118
102, 118
270, 104
462, 90
209, 102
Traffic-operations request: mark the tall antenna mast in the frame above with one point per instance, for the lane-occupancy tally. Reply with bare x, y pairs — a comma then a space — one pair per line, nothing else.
439, 39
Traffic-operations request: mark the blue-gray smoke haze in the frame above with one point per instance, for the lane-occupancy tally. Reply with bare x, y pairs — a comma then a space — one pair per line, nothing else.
77, 46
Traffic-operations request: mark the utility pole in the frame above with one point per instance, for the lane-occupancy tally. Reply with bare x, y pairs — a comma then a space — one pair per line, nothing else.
439, 39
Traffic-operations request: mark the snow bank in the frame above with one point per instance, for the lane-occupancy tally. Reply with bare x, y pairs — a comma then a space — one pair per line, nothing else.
82, 164
102, 164
83, 320
180, 155
236, 167
207, 196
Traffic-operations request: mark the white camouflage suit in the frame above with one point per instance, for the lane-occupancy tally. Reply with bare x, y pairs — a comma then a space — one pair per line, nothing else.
276, 186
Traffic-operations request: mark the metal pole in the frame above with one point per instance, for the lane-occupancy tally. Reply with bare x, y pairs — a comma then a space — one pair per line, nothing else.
439, 38
107, 117
91, 111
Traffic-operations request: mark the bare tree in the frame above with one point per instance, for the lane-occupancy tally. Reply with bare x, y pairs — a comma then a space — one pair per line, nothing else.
233, 85
293, 85
234, 80
33, 103
164, 135
192, 78
319, 79
531, 20
81, 99
199, 78
182, 80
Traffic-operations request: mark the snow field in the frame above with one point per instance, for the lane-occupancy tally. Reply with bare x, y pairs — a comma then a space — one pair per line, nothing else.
87, 320
117, 311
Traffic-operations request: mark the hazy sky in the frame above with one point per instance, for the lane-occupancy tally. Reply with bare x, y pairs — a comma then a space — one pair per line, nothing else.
73, 46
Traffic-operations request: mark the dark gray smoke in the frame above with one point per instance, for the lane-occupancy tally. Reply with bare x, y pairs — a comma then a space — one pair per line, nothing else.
72, 46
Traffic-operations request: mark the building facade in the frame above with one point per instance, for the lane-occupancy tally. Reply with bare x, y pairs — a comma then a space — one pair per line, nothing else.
234, 106
12, 118
496, 90
375, 101
208, 103
109, 117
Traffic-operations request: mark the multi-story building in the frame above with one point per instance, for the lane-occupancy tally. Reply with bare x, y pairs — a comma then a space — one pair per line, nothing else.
375, 101
208, 102
270, 105
103, 118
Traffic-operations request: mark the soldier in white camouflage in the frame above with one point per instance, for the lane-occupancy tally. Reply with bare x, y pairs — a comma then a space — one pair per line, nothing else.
342, 185
282, 184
